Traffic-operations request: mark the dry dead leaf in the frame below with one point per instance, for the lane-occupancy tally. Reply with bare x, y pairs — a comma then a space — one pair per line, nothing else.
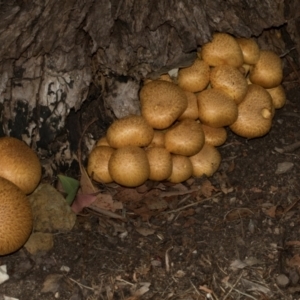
105, 201
52, 283
207, 188
128, 195
237, 214
275, 211
156, 204
292, 243
145, 231
294, 261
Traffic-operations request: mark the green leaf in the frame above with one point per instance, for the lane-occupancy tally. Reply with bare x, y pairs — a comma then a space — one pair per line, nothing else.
70, 186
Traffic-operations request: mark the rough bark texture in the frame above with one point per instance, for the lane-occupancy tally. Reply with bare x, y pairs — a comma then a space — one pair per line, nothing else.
51, 52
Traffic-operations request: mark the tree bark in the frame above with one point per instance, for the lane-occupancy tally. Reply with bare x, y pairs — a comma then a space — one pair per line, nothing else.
52, 51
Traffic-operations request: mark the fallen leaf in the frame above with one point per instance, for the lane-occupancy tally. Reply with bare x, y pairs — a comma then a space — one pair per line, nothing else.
70, 186
52, 283
207, 188
238, 213
294, 261
145, 231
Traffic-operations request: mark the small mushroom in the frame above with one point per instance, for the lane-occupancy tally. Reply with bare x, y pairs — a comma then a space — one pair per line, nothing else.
230, 80
214, 136
194, 78
191, 111
216, 108
97, 167
185, 138
206, 162
102, 142
255, 113
16, 217
278, 96
19, 164
162, 102
132, 130
129, 166
250, 50
160, 162
181, 168
222, 50
158, 139
267, 72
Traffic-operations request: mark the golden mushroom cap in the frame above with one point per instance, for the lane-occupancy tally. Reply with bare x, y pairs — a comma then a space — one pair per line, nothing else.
250, 50
222, 50
160, 162
102, 142
267, 72
16, 217
162, 102
216, 108
230, 80
158, 139
255, 113
129, 166
206, 162
132, 130
191, 111
194, 78
214, 136
278, 96
182, 168
185, 138
97, 167
19, 164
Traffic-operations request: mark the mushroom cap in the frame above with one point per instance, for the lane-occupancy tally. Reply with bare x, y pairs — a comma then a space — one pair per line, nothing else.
129, 166
162, 102
216, 108
102, 142
185, 138
160, 162
278, 96
214, 136
267, 72
230, 80
158, 139
132, 130
181, 168
191, 111
194, 78
97, 167
255, 113
250, 50
222, 50
206, 162
16, 217
19, 164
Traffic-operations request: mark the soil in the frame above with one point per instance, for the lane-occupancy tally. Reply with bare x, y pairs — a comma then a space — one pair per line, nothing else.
235, 236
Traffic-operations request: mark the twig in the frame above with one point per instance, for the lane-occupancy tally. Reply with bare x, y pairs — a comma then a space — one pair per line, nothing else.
190, 205
288, 148
233, 286
167, 260
81, 285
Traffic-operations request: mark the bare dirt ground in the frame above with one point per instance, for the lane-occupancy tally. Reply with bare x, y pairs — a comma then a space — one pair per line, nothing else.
232, 236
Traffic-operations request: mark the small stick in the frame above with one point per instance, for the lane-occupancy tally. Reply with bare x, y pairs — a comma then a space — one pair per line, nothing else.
288, 148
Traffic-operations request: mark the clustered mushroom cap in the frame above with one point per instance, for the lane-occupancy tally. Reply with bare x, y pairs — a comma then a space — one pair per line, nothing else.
97, 167
255, 113
162, 102
222, 50
129, 166
19, 164
132, 130
16, 217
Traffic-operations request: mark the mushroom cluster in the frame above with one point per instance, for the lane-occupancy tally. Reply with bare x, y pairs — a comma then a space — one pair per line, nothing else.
231, 84
20, 174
